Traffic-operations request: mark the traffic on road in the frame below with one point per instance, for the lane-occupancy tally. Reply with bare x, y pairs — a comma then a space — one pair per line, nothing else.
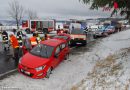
36, 54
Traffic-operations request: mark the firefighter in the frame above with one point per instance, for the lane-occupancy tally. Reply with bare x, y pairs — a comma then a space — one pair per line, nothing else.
19, 38
34, 40
38, 37
15, 45
26, 45
47, 37
58, 31
5, 40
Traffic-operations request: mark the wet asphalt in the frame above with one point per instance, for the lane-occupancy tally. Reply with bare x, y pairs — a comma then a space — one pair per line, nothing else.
7, 63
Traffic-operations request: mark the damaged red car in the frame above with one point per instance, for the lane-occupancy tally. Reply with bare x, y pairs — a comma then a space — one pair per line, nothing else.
43, 58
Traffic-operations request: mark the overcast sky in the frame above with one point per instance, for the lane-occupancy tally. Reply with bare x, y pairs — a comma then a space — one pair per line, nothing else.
55, 9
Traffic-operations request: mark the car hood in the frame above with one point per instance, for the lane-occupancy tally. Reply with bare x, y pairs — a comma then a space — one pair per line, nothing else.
33, 61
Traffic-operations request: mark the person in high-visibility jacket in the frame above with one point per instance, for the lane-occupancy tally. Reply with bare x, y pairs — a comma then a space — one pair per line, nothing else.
19, 38
15, 45
34, 40
5, 40
38, 37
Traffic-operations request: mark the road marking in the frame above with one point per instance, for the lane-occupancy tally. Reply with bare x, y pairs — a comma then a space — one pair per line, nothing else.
6, 73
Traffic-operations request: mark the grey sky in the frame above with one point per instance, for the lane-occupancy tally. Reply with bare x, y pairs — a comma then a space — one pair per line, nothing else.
55, 9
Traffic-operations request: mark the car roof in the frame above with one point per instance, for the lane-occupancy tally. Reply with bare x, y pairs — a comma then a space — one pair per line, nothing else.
53, 42
61, 37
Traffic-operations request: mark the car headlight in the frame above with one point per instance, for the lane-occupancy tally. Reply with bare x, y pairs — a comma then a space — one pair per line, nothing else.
40, 68
20, 60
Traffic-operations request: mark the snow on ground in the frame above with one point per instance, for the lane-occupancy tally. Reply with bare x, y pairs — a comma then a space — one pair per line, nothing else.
112, 72
74, 71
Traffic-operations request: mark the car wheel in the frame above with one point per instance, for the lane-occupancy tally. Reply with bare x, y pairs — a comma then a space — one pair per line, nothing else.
48, 72
94, 36
67, 56
84, 43
105, 34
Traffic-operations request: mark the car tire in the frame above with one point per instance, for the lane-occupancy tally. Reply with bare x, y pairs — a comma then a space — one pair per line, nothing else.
48, 72
67, 56
105, 34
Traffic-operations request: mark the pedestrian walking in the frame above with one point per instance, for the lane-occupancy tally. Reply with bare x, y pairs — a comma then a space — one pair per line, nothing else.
5, 40
15, 46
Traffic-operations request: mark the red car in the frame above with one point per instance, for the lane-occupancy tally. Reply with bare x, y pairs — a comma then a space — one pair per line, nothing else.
43, 58
62, 36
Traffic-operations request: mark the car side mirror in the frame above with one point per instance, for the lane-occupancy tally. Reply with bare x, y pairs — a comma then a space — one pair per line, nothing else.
56, 55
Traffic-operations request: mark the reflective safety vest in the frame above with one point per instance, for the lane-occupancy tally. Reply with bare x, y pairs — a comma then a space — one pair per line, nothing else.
14, 42
33, 41
38, 39
20, 41
5, 37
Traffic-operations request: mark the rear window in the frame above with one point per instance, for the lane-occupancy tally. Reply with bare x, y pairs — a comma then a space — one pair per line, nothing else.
42, 50
110, 27
77, 31
61, 37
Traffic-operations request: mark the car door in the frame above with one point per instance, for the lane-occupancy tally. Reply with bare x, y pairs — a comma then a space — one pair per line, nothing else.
64, 50
57, 55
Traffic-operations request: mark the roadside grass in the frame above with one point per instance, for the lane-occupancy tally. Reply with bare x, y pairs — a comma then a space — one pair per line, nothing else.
105, 74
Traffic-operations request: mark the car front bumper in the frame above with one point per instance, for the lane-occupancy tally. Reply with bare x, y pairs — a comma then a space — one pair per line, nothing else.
31, 72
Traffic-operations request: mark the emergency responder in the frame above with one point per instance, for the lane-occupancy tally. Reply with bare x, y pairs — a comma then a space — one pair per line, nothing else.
38, 37
14, 31
34, 40
19, 38
15, 45
46, 37
58, 31
26, 45
5, 40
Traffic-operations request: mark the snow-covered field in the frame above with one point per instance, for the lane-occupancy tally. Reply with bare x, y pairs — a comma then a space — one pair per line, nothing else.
85, 71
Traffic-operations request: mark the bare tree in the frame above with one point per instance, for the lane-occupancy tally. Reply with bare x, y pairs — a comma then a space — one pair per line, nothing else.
32, 14
16, 12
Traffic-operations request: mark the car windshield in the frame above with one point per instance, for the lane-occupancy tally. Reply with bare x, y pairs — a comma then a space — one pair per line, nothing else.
42, 50
77, 31
102, 28
110, 27
61, 37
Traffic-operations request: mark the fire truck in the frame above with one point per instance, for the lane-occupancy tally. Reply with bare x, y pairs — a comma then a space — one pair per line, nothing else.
42, 26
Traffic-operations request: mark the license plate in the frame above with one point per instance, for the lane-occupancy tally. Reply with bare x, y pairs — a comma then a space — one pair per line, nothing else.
26, 72
78, 43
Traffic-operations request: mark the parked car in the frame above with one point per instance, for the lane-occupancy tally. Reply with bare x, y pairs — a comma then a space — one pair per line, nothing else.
100, 32
78, 36
110, 29
62, 31
63, 36
43, 58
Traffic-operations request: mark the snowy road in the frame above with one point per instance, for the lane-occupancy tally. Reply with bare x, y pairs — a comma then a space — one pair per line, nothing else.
72, 71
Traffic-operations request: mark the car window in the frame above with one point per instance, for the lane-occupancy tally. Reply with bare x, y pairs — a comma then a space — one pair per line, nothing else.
42, 50
57, 50
63, 46
61, 37
77, 31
